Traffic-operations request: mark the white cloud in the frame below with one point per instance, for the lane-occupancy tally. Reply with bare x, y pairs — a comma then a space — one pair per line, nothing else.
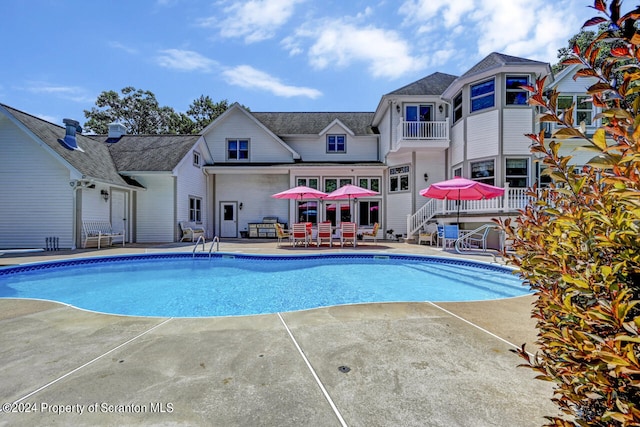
251, 78
343, 43
533, 29
253, 20
72, 93
125, 48
184, 60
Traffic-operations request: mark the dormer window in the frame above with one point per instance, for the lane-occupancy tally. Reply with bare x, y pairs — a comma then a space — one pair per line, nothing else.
483, 95
336, 143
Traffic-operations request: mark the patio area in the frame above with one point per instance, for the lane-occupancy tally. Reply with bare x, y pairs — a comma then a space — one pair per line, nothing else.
409, 364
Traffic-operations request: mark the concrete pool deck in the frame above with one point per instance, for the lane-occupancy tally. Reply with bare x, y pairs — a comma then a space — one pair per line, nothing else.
391, 364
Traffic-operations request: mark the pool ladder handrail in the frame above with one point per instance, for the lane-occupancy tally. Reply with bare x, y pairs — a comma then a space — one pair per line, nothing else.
195, 247
215, 240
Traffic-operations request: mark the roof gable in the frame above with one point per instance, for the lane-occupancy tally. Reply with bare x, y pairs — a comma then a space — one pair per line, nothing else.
336, 122
235, 107
94, 162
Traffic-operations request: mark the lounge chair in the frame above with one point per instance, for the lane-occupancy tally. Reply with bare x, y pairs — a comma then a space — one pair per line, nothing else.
299, 234
325, 233
281, 234
348, 233
478, 240
430, 234
373, 233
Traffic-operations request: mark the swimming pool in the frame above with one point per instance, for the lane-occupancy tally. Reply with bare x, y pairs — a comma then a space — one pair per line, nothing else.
180, 285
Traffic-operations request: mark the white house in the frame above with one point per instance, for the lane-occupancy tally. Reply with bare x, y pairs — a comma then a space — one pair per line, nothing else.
427, 131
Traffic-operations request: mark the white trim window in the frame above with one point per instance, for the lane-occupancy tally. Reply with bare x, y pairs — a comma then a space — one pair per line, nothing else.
483, 95
196, 159
336, 143
369, 183
515, 95
311, 182
484, 171
237, 149
457, 107
517, 172
332, 184
368, 212
583, 111
399, 179
195, 209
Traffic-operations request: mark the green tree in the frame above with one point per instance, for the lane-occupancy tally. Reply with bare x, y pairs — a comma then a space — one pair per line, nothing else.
203, 111
141, 113
577, 246
138, 110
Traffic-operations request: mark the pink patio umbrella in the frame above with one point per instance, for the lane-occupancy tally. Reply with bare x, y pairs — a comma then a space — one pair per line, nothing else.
350, 191
461, 189
300, 192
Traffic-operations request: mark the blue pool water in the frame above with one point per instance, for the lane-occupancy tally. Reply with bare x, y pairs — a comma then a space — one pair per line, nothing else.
179, 285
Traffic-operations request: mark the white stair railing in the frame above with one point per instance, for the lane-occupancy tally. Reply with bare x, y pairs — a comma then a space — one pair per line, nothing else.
416, 221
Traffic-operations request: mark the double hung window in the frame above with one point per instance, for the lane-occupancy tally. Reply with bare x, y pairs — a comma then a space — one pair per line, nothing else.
483, 95
237, 149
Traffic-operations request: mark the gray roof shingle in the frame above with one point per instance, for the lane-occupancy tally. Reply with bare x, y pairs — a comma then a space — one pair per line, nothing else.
496, 60
149, 153
433, 84
313, 123
94, 162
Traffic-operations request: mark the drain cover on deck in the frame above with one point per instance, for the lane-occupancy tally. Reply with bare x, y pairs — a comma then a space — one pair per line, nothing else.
344, 369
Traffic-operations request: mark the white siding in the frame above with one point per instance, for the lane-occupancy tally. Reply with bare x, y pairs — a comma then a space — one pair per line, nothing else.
575, 86
93, 205
483, 135
517, 123
191, 181
262, 146
254, 192
457, 143
36, 200
314, 148
386, 134
155, 217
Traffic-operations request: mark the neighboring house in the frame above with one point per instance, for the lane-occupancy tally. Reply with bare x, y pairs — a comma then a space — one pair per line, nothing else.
430, 130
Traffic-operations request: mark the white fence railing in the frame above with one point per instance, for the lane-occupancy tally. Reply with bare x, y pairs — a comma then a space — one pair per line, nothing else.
513, 200
424, 130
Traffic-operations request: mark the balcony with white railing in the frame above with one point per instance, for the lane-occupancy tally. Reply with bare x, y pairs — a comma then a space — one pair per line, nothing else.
512, 201
430, 135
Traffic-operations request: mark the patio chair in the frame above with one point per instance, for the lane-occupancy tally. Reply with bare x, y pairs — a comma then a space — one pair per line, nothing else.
450, 235
373, 233
478, 240
281, 234
430, 234
325, 233
348, 233
299, 234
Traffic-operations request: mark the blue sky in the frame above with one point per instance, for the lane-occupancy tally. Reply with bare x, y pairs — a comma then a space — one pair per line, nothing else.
270, 55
